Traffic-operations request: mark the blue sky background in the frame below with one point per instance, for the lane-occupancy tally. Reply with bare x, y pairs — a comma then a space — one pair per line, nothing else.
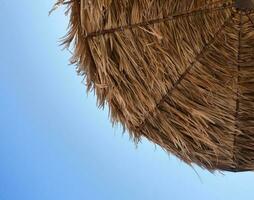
55, 144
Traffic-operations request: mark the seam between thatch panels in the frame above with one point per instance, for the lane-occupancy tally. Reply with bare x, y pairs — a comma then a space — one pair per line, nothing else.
159, 20
192, 64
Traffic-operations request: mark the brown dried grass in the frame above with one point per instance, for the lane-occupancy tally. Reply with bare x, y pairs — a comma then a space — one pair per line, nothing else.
178, 72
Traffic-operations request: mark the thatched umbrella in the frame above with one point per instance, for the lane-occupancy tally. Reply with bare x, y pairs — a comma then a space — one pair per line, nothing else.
178, 72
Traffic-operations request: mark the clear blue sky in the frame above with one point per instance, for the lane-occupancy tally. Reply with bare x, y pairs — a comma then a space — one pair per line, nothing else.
55, 144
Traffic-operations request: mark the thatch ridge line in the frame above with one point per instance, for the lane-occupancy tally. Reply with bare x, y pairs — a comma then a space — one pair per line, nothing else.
204, 49
159, 20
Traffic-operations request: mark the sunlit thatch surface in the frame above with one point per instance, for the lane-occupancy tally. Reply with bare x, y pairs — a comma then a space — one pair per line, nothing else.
178, 72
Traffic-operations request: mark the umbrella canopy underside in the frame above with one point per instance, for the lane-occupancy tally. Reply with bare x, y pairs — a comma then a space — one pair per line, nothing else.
177, 72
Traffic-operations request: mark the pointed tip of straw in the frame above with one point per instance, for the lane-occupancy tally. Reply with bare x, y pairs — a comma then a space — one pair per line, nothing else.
56, 6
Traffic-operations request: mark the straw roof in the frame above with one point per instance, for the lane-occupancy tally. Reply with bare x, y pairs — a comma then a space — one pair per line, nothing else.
178, 72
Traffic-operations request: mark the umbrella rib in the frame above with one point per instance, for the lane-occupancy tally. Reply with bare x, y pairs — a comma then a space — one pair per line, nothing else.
237, 107
183, 75
158, 20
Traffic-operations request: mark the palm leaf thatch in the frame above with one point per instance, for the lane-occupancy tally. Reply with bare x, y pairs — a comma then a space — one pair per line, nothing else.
178, 72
